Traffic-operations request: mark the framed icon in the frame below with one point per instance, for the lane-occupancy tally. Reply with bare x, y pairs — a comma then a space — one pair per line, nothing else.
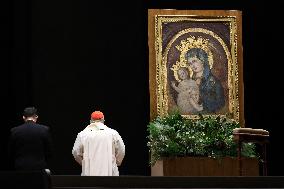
195, 63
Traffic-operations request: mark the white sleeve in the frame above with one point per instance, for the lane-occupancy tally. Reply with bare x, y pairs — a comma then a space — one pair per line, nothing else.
77, 150
119, 149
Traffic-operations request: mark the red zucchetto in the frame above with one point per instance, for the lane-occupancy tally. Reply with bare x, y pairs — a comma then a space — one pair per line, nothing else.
97, 115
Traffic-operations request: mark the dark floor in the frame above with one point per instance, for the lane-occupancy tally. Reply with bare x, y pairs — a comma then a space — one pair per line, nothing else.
42, 180
62, 181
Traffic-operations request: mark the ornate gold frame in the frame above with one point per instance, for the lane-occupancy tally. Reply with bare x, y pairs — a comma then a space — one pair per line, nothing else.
159, 66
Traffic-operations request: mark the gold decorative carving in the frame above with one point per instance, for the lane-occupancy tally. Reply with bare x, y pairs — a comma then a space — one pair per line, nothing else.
195, 41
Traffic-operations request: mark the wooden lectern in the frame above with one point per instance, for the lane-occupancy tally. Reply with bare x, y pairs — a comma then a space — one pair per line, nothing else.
259, 136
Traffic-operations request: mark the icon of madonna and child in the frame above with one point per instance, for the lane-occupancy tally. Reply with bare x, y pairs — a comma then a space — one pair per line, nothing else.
195, 89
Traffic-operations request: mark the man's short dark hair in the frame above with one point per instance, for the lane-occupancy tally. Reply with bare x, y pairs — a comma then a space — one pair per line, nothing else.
30, 111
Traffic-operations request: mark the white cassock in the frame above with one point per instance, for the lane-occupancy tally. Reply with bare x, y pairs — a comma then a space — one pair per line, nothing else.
99, 150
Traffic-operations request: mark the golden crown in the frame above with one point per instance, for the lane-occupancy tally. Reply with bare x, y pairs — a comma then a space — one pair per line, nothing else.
187, 44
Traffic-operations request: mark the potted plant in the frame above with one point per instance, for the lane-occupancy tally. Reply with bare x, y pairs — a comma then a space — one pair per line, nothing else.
175, 137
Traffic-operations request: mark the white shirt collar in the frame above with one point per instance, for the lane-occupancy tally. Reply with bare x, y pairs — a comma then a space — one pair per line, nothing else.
98, 125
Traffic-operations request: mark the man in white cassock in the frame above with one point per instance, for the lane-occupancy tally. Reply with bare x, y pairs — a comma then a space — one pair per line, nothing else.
98, 148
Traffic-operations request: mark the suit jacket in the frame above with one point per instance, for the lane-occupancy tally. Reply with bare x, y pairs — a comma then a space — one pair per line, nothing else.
30, 146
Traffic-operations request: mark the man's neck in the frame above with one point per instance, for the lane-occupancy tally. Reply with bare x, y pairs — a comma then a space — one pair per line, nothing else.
30, 119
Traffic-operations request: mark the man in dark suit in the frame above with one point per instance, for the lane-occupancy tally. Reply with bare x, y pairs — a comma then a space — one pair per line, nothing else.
30, 143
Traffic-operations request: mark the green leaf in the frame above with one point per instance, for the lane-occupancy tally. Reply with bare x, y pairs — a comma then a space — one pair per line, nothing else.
174, 135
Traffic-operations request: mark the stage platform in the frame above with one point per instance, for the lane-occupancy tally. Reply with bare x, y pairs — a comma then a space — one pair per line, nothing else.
67, 181
43, 180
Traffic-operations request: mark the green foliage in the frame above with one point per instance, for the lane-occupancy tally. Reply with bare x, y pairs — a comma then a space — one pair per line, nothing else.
210, 136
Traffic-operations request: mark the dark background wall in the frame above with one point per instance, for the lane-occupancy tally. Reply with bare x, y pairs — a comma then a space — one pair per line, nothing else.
69, 58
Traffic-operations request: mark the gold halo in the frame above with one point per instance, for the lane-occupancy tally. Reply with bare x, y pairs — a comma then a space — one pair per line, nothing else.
184, 46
